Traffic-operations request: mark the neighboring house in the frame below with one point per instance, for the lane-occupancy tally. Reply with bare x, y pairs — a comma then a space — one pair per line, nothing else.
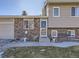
59, 21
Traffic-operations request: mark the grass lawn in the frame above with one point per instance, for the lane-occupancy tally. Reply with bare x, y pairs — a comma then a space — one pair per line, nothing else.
42, 52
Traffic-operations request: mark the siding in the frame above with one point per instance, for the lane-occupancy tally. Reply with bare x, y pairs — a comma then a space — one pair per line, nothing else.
65, 19
63, 22
65, 9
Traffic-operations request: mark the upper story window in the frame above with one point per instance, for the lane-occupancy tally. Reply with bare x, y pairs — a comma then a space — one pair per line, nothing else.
56, 11
28, 24
75, 11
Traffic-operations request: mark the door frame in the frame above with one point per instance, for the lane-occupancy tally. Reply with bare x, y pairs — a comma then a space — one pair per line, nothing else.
43, 28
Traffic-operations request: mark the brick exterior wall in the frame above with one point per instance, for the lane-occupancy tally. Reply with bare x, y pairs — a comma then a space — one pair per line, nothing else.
19, 30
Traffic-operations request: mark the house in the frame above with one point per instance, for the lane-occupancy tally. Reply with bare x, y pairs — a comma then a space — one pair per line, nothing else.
63, 19
59, 22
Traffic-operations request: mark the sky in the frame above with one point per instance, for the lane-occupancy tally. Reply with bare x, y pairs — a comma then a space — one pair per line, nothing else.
15, 7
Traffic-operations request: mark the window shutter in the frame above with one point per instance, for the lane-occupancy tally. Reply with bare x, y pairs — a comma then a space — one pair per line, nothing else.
73, 11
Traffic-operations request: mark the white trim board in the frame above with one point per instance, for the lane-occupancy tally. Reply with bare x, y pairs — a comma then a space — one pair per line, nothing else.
43, 28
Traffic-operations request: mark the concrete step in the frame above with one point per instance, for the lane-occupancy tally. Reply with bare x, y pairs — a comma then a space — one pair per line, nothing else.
44, 39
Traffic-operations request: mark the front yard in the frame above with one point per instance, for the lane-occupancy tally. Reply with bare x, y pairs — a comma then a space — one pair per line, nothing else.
42, 52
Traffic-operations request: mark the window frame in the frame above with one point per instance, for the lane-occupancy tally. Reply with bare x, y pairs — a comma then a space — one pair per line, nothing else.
45, 24
58, 11
75, 11
43, 28
71, 35
56, 32
29, 20
72, 11
32, 24
43, 20
24, 25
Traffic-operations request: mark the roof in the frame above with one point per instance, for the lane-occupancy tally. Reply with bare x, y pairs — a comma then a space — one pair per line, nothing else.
23, 16
62, 1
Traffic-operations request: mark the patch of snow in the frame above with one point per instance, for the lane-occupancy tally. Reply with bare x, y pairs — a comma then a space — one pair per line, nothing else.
1, 54
42, 50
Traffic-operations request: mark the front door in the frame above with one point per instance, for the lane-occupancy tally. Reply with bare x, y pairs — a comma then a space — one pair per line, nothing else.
43, 28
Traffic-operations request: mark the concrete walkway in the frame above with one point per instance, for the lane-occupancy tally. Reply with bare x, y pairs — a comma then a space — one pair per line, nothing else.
26, 44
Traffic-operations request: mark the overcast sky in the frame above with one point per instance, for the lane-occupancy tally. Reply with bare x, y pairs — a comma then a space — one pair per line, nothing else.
15, 7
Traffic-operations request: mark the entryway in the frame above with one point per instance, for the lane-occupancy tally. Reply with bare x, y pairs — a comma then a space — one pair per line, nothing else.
43, 31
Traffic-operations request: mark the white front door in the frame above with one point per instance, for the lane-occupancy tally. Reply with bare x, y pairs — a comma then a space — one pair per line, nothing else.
43, 28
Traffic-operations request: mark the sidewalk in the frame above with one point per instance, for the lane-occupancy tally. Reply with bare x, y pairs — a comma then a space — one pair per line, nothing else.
25, 44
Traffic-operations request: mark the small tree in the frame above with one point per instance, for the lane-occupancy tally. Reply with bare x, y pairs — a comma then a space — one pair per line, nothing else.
24, 13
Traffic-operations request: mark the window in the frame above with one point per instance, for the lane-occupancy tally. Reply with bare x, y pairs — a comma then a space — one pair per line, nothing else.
25, 24
29, 24
71, 33
43, 32
43, 24
75, 11
56, 11
54, 33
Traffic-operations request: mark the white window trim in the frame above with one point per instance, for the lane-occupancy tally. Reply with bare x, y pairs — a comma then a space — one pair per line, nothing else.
43, 35
72, 34
56, 33
58, 10
70, 12
43, 20
28, 23
46, 23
